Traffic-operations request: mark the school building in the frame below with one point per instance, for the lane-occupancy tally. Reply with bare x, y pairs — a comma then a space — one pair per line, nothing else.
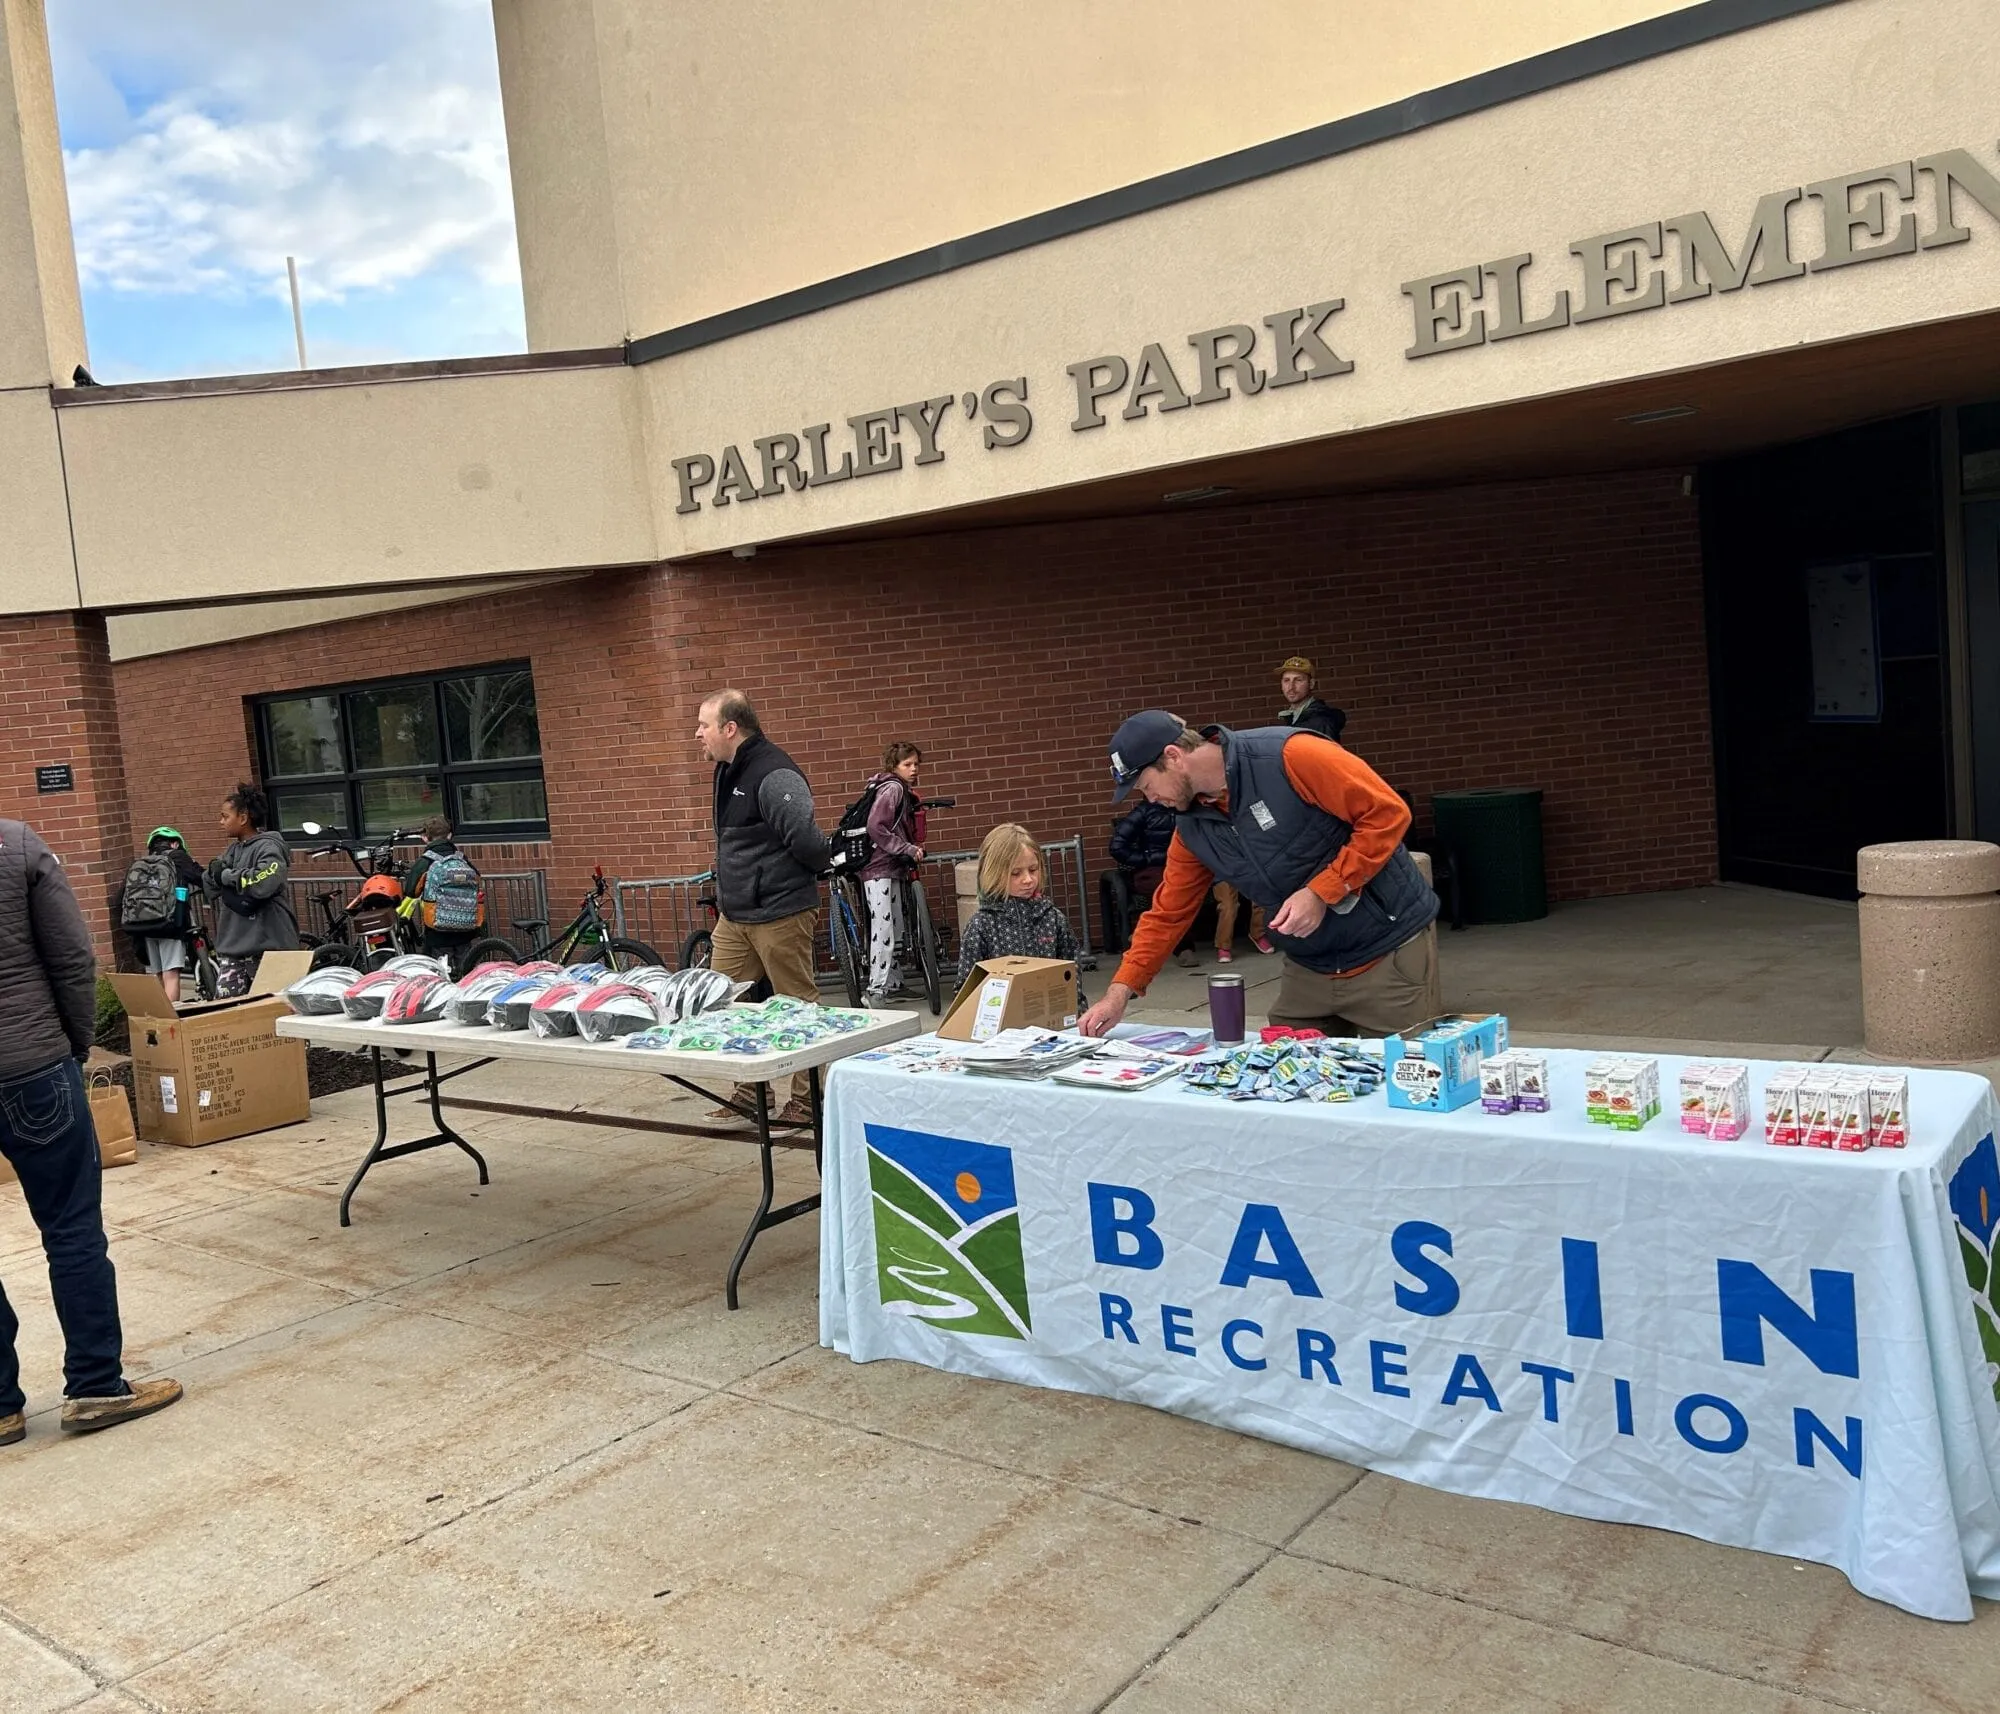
1602, 393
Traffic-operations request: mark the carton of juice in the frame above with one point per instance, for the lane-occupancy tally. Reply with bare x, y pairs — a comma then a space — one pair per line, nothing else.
1727, 1101
1531, 1080
1632, 1093
1694, 1097
1850, 1114
1496, 1084
1888, 1109
1781, 1107
1817, 1116
1596, 1091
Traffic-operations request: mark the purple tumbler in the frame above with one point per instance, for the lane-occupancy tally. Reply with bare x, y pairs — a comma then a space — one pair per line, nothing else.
1225, 1008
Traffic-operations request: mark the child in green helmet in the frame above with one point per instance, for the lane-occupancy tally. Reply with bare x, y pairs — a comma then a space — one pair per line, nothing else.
166, 956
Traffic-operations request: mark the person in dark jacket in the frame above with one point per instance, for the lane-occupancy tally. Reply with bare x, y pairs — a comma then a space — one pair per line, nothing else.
1303, 709
1015, 918
892, 832
769, 856
438, 842
247, 883
48, 1017
166, 955
1139, 846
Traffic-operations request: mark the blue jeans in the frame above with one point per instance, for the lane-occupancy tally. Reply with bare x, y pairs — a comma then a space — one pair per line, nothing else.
48, 1139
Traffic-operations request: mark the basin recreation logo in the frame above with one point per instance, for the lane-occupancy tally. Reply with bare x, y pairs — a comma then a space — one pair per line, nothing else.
948, 1232
1975, 1200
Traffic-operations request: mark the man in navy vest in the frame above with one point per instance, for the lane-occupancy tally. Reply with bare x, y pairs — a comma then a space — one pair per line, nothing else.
769, 855
1309, 831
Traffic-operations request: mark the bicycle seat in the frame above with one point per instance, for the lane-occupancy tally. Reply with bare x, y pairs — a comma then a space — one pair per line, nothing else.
531, 925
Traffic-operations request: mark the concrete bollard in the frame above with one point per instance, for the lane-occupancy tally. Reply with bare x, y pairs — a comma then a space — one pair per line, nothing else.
1930, 949
965, 882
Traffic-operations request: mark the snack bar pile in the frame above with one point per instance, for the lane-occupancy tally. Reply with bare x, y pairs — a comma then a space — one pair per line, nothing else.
1287, 1070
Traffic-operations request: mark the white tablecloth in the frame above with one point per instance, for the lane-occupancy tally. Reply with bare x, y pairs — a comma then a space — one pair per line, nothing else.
1773, 1348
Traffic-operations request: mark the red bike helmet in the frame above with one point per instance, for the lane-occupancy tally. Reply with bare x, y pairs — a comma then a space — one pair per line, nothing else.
365, 999
553, 1012
416, 1000
613, 1009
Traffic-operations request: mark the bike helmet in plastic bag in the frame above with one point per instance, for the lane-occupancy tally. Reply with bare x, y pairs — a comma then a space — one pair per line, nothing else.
471, 998
418, 999
553, 1012
317, 994
593, 971
416, 964
365, 998
613, 1009
509, 1007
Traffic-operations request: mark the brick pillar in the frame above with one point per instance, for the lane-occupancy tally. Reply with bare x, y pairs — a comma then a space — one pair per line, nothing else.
57, 706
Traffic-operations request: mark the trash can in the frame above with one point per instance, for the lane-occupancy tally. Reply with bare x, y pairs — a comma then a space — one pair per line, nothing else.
1930, 949
1494, 834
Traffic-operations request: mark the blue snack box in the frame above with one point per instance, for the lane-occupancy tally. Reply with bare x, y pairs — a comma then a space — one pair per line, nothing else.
1436, 1069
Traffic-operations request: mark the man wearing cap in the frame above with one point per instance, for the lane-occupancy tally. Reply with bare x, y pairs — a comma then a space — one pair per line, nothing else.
1306, 829
1303, 708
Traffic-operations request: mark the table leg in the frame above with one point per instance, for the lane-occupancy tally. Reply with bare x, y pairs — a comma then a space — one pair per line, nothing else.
767, 1216
382, 1149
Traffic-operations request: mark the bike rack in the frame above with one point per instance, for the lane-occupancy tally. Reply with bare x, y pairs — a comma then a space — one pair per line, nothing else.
639, 909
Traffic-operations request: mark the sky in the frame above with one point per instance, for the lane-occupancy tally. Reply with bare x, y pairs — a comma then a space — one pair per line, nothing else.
206, 140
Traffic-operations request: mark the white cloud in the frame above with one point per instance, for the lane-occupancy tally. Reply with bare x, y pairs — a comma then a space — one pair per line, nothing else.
212, 138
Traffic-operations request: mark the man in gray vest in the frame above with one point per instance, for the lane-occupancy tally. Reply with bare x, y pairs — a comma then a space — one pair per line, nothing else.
1304, 828
48, 1011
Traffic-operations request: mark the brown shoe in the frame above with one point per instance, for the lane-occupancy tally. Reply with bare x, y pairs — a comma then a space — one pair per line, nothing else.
13, 1428
797, 1111
87, 1416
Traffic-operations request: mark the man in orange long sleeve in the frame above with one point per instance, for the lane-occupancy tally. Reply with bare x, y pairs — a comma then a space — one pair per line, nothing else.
1304, 828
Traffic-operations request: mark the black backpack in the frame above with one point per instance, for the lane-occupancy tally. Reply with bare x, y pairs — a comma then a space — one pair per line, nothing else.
151, 904
852, 848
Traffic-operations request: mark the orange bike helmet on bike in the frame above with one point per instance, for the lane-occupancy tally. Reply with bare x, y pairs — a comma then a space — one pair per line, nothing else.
378, 893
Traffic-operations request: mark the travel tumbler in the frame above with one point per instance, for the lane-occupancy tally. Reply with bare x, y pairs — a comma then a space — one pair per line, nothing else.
1225, 1008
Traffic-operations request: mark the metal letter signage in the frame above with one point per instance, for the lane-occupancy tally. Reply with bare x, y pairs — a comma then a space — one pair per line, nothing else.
1903, 208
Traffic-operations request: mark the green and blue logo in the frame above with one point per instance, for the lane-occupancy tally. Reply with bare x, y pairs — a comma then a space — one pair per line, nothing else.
948, 1232
1975, 1201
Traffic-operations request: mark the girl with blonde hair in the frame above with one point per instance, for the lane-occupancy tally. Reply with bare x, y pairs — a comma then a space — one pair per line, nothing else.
1015, 919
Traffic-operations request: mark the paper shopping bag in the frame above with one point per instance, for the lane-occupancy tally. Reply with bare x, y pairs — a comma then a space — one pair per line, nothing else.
111, 1113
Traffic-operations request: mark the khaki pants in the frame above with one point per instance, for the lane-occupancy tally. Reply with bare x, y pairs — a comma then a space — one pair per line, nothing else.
781, 953
1228, 901
1393, 994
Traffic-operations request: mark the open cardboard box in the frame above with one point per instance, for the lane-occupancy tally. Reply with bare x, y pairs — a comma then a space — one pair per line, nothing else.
206, 1070
1012, 993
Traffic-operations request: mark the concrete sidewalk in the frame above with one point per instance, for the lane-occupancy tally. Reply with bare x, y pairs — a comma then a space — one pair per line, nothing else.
504, 1448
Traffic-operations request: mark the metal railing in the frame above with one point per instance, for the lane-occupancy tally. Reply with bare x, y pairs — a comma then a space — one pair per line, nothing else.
510, 897
663, 912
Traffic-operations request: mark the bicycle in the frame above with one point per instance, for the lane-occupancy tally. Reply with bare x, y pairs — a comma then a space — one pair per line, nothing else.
847, 926
589, 931
698, 950
363, 932
201, 949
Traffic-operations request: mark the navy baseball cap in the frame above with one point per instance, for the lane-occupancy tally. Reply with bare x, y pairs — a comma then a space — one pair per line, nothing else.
1138, 744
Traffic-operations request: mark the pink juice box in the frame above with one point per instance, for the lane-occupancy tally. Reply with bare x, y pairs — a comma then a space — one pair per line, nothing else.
1726, 1101
1818, 1115
1889, 1109
1781, 1107
1694, 1097
1850, 1119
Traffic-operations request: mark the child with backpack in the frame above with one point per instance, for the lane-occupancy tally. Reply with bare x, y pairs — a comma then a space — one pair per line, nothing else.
442, 891
1015, 918
891, 824
155, 908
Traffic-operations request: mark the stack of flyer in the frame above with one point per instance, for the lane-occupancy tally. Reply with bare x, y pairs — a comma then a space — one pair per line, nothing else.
1024, 1053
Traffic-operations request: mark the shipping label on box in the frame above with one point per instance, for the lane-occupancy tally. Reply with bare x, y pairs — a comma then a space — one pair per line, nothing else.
1012, 994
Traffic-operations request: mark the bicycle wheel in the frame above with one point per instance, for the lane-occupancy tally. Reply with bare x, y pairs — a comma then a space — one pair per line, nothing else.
491, 950
697, 950
924, 932
336, 952
628, 954
208, 976
844, 929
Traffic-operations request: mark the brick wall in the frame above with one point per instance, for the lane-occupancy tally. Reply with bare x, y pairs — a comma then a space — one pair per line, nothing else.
1544, 633
57, 704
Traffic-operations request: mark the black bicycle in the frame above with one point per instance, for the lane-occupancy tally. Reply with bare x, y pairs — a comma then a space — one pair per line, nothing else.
587, 936
847, 927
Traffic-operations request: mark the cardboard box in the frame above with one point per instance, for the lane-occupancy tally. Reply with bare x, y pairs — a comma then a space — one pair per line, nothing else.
204, 1071
1010, 994
1436, 1069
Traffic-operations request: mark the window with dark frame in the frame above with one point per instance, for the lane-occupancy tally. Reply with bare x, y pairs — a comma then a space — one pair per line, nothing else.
368, 759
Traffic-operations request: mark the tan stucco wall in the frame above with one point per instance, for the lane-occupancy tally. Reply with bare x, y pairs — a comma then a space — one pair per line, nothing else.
347, 488
41, 312
1711, 128
37, 573
561, 173
758, 146
137, 634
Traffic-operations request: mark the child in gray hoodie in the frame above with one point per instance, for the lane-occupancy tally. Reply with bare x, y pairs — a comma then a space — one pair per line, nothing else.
247, 884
